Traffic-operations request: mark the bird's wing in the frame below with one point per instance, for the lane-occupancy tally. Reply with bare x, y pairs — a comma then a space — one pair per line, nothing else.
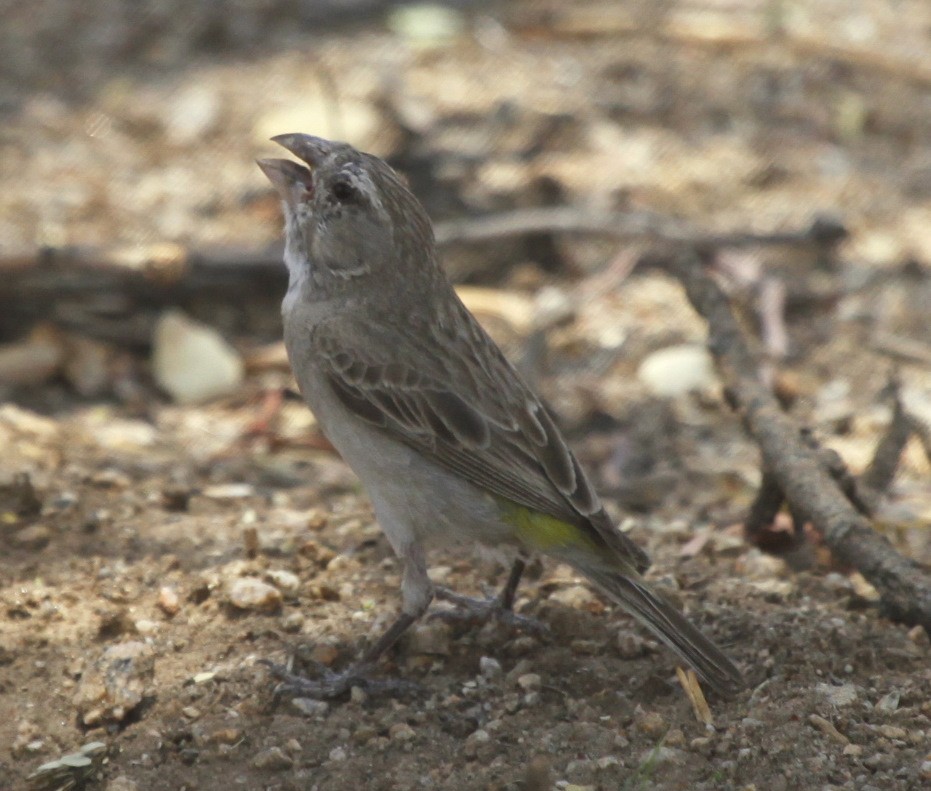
473, 416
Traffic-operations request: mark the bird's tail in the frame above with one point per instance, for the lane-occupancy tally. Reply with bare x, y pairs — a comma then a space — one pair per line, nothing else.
670, 626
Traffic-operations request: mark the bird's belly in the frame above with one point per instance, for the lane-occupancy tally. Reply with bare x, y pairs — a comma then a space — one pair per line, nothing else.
414, 498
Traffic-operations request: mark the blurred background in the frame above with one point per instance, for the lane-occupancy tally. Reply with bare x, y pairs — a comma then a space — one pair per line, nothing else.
144, 393
130, 200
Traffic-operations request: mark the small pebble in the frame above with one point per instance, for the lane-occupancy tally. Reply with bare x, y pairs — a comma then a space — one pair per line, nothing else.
401, 732
289, 584
918, 634
226, 736
874, 761
838, 695
523, 666
828, 729
310, 707
248, 593
607, 761
122, 783
32, 538
364, 734
630, 645
757, 565
145, 627
581, 768
529, 681
273, 758
664, 755
650, 723
700, 743
489, 667
168, 601
925, 770
578, 597
231, 491
115, 683
532, 699
888, 703
292, 623
893, 731
338, 754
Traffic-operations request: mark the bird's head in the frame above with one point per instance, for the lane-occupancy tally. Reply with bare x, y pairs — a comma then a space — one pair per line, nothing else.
348, 215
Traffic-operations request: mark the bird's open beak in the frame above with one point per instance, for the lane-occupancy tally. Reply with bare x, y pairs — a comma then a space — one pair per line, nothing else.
293, 182
310, 149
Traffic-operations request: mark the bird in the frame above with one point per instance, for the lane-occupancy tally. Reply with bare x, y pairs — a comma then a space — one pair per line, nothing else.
449, 442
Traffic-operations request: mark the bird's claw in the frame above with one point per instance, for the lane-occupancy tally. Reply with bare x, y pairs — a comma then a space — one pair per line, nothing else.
491, 608
331, 684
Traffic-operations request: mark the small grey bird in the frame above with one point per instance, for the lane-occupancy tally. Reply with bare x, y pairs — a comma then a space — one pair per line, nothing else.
447, 439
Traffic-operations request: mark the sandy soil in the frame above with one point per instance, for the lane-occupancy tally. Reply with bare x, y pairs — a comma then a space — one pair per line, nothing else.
120, 566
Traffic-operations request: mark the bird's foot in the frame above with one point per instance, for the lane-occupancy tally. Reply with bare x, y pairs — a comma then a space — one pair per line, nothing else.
483, 610
330, 684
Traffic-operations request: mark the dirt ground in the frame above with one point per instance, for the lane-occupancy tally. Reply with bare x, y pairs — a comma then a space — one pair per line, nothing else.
159, 551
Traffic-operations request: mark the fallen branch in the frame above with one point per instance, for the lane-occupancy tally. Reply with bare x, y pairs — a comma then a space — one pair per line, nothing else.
57, 271
797, 468
770, 497
98, 291
823, 232
81, 287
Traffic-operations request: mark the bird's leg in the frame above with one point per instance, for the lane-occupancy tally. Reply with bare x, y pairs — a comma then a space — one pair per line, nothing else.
417, 592
510, 587
499, 608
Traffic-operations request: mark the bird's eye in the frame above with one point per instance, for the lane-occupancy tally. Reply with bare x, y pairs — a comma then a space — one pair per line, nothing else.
343, 191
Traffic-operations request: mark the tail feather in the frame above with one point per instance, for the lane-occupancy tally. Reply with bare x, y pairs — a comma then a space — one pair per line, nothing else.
670, 626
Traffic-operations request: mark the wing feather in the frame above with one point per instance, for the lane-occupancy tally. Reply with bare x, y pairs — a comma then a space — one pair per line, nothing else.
477, 419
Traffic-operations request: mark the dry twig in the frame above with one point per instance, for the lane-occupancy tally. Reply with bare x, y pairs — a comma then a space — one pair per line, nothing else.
797, 468
878, 476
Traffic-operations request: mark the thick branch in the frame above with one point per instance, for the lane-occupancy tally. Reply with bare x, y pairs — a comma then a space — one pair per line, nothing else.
904, 586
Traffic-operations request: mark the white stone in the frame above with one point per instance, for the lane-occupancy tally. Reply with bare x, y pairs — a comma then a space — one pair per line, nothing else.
191, 361
248, 593
677, 370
